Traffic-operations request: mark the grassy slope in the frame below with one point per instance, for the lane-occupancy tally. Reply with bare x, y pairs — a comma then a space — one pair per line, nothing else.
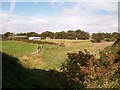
17, 48
55, 56
16, 76
51, 57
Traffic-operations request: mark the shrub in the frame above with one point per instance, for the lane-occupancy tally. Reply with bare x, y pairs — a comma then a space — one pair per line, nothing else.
107, 39
95, 40
103, 72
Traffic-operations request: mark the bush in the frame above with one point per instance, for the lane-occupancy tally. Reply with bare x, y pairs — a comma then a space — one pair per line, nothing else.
103, 72
108, 39
95, 40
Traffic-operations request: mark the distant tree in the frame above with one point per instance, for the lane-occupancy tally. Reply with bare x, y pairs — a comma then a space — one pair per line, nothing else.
29, 34
8, 34
108, 35
47, 34
82, 34
97, 36
61, 35
71, 34
22, 34
32, 34
115, 35
105, 36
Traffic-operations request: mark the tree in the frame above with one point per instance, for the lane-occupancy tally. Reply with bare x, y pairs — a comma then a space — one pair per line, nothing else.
47, 34
22, 34
71, 34
29, 34
105, 36
61, 35
115, 35
32, 34
82, 34
97, 37
8, 34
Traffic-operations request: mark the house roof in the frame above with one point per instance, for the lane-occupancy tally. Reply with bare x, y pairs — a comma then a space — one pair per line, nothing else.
20, 36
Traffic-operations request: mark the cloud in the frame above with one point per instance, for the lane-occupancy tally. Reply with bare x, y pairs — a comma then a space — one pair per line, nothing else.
91, 17
28, 24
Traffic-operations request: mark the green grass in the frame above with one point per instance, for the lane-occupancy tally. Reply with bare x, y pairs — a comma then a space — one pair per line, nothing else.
18, 48
51, 57
54, 56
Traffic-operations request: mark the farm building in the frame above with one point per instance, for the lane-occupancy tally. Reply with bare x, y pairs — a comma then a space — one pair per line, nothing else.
34, 38
20, 37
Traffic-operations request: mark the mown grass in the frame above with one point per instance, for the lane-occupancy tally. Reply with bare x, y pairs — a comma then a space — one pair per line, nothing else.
18, 48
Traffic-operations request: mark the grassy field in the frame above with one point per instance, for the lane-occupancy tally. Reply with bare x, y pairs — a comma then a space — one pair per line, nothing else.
51, 56
17, 48
55, 56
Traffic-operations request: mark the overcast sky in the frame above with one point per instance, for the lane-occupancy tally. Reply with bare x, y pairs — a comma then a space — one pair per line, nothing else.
55, 16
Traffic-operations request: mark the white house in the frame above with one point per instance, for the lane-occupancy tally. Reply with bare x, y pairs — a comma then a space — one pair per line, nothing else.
34, 38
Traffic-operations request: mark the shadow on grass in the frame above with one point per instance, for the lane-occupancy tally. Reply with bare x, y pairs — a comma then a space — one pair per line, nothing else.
17, 76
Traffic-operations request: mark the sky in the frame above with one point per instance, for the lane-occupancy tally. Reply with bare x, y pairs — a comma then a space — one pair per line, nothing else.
39, 16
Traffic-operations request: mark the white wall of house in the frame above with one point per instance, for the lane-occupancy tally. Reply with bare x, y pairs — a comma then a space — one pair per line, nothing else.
34, 38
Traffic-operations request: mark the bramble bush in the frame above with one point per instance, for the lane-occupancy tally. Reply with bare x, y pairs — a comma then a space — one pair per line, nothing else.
102, 72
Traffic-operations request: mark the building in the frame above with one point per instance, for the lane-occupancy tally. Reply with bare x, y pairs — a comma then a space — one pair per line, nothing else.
20, 37
35, 38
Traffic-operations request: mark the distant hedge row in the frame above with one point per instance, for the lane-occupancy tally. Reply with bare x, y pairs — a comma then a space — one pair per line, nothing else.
78, 34
98, 37
38, 42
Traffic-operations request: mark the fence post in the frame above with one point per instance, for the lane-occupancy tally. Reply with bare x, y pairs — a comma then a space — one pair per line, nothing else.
14, 55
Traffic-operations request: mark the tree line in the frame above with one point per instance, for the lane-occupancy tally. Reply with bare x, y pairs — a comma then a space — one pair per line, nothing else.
70, 34
98, 37
78, 34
